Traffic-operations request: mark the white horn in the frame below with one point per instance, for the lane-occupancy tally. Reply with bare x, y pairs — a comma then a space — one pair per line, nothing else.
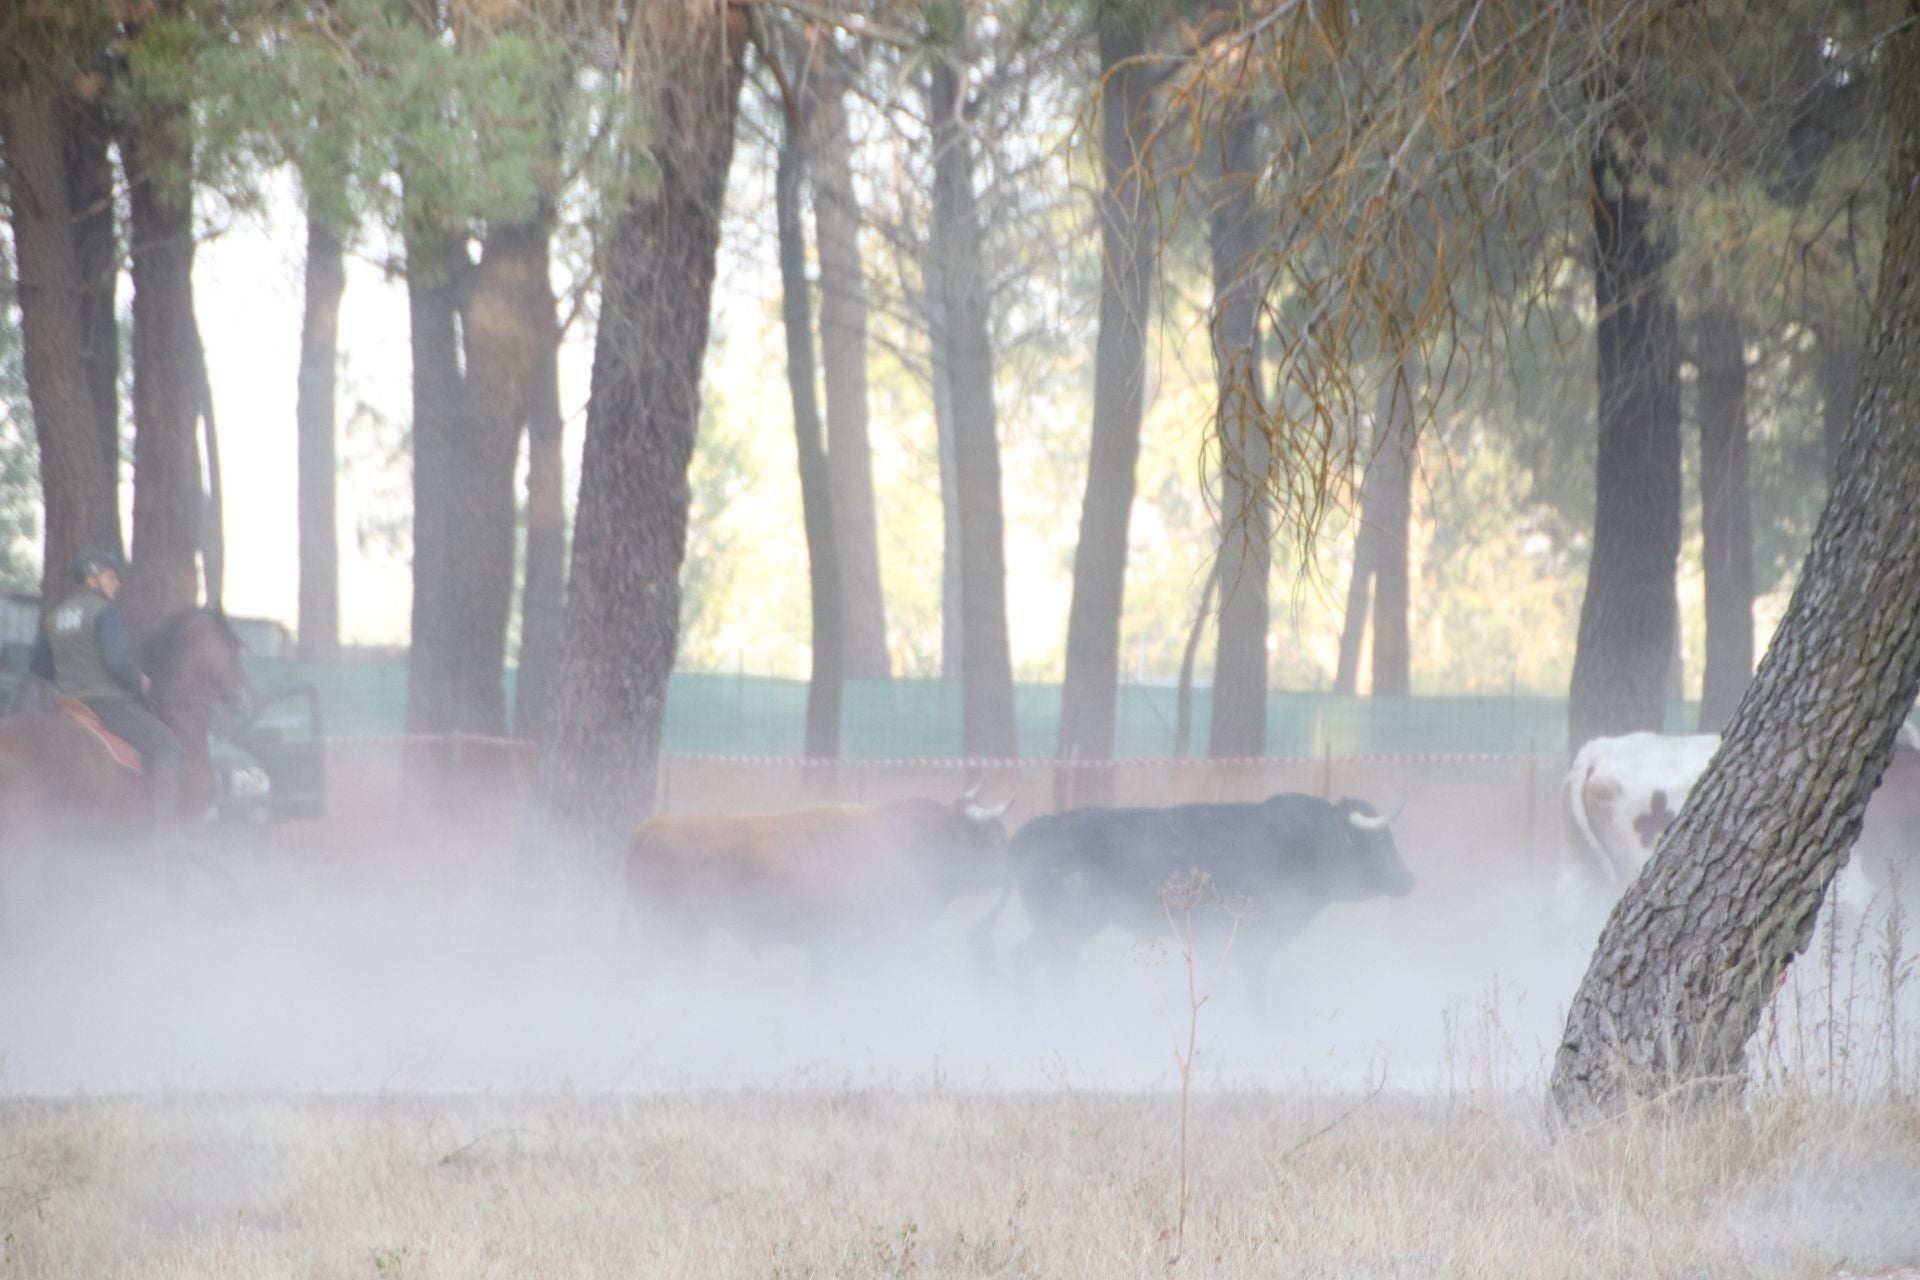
1362, 822
985, 813
973, 790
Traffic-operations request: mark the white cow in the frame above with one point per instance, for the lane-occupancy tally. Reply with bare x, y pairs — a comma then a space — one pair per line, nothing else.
1622, 793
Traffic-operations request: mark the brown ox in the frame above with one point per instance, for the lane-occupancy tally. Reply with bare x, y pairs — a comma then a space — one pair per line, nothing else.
805, 876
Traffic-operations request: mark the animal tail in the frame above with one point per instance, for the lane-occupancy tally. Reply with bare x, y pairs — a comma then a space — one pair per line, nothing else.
1587, 847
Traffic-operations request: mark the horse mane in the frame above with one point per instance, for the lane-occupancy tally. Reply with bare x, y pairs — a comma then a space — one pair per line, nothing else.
161, 652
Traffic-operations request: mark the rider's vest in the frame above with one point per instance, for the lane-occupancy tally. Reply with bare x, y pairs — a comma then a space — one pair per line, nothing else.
79, 668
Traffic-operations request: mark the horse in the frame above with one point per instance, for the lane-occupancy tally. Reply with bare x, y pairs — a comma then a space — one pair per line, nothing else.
60, 773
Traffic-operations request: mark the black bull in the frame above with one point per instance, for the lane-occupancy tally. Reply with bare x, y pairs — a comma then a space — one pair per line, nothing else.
1273, 864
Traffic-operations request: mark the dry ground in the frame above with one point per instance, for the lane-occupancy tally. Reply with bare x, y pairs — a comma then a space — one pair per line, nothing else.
928, 1181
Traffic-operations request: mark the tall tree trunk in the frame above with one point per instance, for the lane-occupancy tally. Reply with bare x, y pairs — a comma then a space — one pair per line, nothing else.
1183, 697
1726, 514
213, 512
952, 640
466, 441
167, 495
1693, 953
1088, 698
1353, 624
78, 509
1390, 495
505, 332
816, 494
843, 354
986, 665
597, 773
543, 589
1239, 726
436, 264
1627, 617
90, 196
315, 425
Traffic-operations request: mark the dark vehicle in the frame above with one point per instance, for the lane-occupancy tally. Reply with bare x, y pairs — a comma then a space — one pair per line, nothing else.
270, 767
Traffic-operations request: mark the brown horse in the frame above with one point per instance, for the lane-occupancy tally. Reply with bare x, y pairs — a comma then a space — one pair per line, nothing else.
57, 774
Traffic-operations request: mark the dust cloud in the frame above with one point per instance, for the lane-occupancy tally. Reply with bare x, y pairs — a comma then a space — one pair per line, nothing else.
470, 968
460, 967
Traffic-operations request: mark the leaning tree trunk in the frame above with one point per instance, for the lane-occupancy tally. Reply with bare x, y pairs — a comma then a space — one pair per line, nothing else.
1239, 725
1089, 695
167, 493
1390, 496
90, 196
1693, 953
78, 506
315, 426
843, 355
543, 589
1726, 515
1627, 617
816, 496
988, 728
597, 773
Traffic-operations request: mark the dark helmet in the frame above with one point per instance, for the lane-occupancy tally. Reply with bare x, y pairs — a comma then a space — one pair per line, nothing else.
88, 563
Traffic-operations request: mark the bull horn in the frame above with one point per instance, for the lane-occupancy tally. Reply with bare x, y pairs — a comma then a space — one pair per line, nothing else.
973, 790
986, 813
1378, 822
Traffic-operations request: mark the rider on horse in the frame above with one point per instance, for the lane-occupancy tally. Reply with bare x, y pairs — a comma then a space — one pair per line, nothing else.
85, 653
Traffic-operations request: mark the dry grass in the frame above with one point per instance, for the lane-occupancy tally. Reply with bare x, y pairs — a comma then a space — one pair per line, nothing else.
1446, 1168
884, 1182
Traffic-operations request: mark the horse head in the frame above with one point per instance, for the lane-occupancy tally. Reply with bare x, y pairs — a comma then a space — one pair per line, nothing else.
194, 660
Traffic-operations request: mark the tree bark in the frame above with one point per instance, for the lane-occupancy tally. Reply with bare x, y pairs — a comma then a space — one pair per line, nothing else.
597, 773
505, 333
1390, 490
1627, 617
988, 728
1239, 725
1353, 624
466, 440
79, 508
543, 589
90, 196
1183, 697
816, 493
157, 152
436, 264
1693, 953
952, 640
315, 425
1089, 694
213, 512
1726, 513
843, 355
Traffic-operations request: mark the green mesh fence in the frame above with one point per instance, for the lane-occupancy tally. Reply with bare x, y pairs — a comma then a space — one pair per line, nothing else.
921, 719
